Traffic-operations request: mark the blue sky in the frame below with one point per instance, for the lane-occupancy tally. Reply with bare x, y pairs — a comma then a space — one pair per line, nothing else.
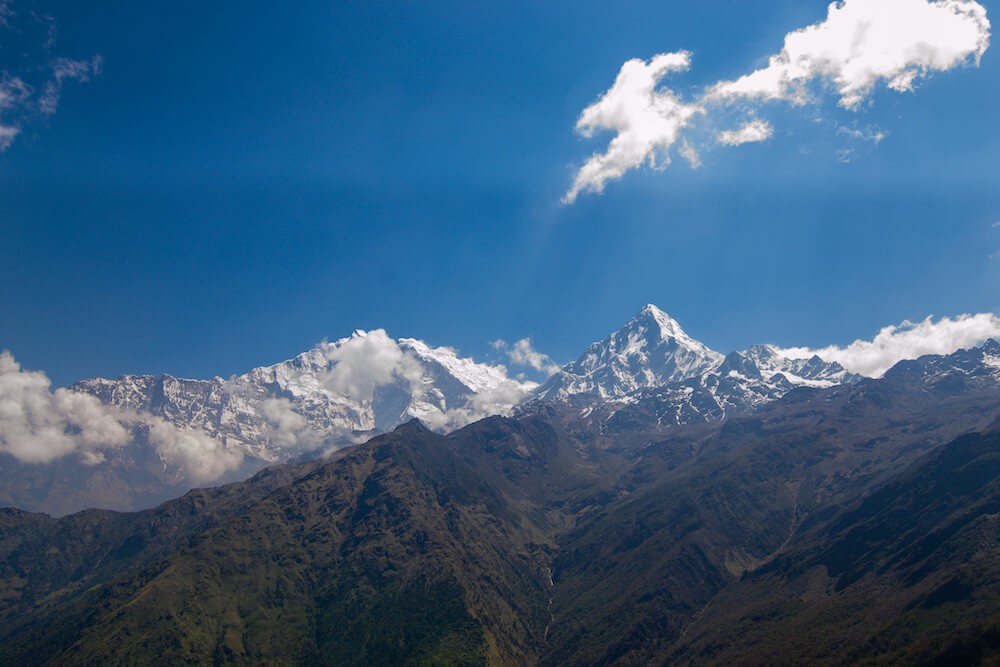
238, 184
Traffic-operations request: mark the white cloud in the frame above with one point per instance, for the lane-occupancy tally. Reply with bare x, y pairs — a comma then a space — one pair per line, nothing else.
908, 340
870, 133
22, 101
368, 360
39, 426
523, 353
7, 135
750, 132
689, 153
498, 400
863, 42
66, 69
647, 120
286, 428
859, 45
203, 458
13, 92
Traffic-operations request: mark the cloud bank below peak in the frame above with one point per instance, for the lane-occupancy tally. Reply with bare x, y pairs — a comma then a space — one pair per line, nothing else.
859, 45
38, 425
907, 340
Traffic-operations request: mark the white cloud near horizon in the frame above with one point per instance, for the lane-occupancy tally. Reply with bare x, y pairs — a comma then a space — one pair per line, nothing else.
38, 425
646, 118
498, 400
366, 361
202, 457
523, 353
908, 340
859, 45
371, 360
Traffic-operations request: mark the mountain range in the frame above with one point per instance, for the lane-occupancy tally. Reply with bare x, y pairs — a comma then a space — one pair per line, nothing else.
343, 392
849, 523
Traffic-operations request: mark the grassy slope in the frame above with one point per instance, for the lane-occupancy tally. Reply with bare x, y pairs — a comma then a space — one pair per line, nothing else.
423, 549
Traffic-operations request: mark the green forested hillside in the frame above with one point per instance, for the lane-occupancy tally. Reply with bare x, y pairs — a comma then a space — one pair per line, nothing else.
846, 524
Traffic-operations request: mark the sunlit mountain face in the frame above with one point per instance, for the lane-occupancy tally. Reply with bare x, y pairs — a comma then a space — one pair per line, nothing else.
559, 534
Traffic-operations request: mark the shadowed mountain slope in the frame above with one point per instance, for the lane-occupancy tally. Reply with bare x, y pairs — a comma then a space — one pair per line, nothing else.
554, 537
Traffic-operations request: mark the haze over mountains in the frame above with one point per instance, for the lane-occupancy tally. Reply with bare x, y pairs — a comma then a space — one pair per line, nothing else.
171, 434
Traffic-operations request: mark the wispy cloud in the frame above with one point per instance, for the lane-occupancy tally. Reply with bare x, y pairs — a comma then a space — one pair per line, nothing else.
65, 69
858, 46
869, 134
907, 340
523, 353
752, 131
7, 135
34, 88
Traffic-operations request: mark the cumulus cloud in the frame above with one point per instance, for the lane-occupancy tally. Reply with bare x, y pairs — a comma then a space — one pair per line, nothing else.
203, 458
908, 340
864, 42
38, 425
523, 353
858, 46
287, 428
367, 363
498, 400
752, 131
368, 360
646, 118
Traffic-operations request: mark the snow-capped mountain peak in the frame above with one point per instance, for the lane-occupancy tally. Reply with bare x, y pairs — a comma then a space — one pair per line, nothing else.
652, 361
655, 319
812, 372
649, 351
326, 396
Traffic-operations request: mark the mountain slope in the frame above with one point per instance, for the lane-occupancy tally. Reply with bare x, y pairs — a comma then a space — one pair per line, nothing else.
908, 575
657, 375
184, 433
649, 351
363, 384
542, 538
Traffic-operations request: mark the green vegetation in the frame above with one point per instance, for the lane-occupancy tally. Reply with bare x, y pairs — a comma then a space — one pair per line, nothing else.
841, 526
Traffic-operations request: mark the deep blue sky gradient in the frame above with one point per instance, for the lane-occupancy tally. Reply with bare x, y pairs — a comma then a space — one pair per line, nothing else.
243, 181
